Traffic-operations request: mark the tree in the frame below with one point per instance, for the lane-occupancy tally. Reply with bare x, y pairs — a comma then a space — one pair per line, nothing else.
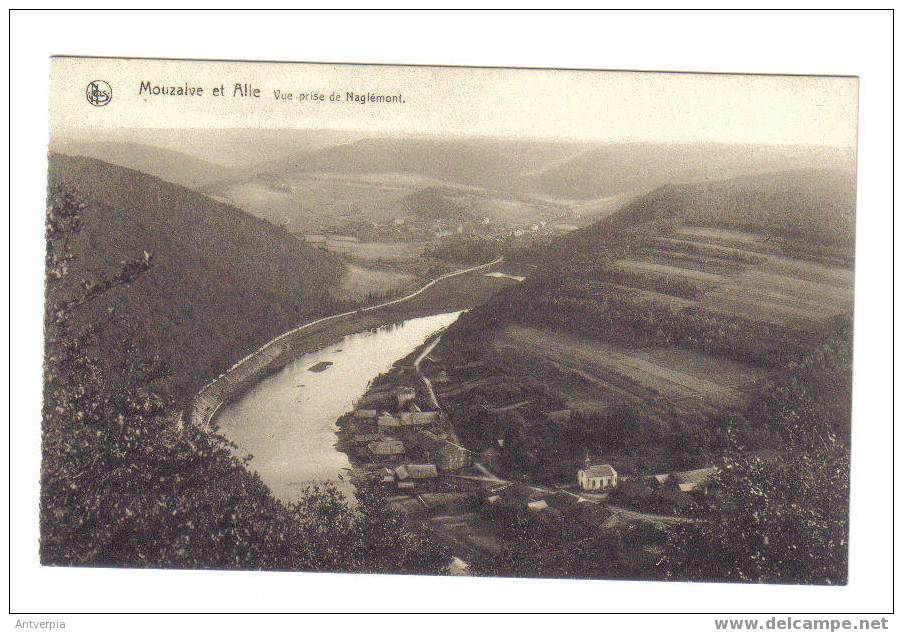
780, 521
783, 518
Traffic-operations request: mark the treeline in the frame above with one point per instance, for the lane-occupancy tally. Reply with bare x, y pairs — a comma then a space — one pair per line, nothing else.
783, 519
577, 304
801, 212
606, 270
810, 207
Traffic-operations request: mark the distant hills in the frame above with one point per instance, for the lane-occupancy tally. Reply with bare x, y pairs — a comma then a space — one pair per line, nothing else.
176, 167
567, 170
810, 207
488, 163
555, 169
223, 281
606, 170
279, 175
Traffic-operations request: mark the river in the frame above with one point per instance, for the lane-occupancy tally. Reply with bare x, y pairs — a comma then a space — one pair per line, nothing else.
287, 421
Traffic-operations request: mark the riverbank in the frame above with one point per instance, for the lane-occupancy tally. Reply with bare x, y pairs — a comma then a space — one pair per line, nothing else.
454, 291
287, 420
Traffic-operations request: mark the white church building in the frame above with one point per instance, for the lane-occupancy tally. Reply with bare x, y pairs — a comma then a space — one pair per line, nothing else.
597, 477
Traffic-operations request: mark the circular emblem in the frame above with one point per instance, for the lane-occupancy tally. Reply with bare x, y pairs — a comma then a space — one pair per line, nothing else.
99, 93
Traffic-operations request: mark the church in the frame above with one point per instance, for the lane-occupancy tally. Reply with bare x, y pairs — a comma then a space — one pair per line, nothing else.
597, 477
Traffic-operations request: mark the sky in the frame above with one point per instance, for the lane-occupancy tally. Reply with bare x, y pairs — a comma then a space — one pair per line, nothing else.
589, 106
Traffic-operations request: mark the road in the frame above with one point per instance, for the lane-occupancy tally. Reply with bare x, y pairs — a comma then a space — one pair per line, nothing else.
648, 517
426, 381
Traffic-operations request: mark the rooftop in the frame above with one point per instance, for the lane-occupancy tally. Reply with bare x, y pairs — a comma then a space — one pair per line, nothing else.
416, 471
387, 419
391, 447
599, 470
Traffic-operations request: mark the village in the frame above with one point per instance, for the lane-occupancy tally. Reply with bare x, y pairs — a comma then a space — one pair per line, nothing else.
399, 438
419, 228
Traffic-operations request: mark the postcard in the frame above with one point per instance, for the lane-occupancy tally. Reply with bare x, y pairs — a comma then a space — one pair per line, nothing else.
448, 320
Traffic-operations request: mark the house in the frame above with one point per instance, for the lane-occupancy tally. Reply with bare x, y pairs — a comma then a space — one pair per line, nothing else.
695, 480
662, 480
445, 454
361, 444
597, 477
386, 476
377, 397
365, 414
390, 450
387, 422
405, 395
418, 418
449, 502
451, 456
673, 500
562, 500
519, 495
589, 515
536, 506
416, 476
416, 471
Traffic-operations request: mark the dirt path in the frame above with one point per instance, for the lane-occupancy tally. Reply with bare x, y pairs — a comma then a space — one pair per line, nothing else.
426, 381
647, 517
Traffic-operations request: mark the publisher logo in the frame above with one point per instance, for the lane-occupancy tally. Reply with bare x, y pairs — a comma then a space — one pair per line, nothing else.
99, 93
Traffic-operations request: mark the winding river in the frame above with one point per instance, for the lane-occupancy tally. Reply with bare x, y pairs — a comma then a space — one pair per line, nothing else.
287, 421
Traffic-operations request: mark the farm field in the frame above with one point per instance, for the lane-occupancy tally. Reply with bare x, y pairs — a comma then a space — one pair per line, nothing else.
386, 251
610, 374
736, 273
312, 202
359, 282
650, 346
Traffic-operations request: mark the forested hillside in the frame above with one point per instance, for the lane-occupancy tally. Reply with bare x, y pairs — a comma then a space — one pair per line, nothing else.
175, 167
704, 324
124, 481
223, 282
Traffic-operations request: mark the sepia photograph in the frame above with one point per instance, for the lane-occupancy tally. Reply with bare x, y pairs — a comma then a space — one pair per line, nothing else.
620, 348
499, 331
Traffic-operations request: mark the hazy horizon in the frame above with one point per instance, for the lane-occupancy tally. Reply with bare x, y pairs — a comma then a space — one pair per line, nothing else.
208, 144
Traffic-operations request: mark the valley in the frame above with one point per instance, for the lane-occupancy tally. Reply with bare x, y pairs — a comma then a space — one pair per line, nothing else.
445, 332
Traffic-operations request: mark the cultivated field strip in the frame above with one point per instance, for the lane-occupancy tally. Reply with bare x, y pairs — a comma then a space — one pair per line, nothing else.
736, 273
633, 374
